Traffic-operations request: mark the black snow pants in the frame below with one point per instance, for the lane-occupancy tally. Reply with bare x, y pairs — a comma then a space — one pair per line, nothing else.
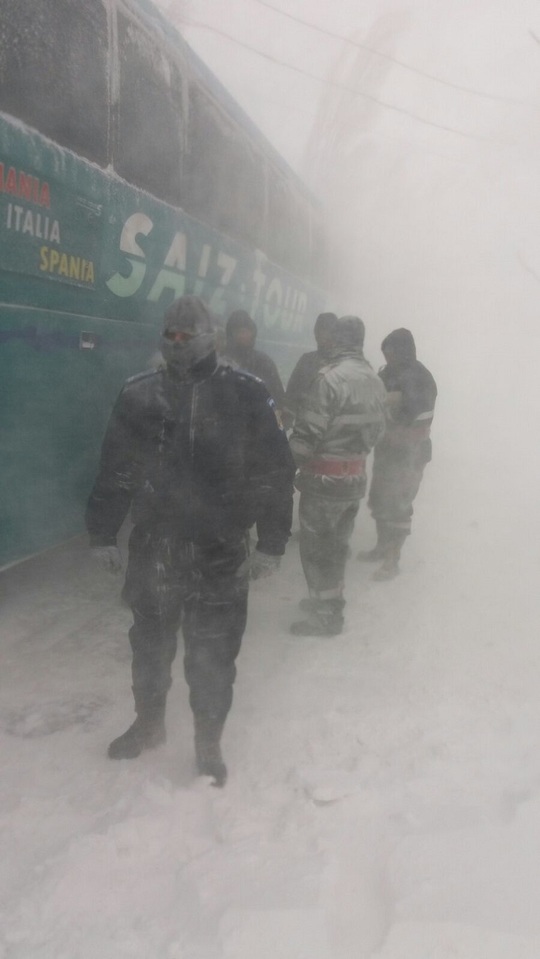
397, 475
171, 582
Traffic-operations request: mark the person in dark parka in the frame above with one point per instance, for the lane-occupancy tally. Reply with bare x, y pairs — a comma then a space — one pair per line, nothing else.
308, 366
195, 450
240, 337
404, 450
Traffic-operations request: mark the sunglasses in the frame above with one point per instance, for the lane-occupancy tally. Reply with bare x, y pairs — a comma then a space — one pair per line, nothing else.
180, 336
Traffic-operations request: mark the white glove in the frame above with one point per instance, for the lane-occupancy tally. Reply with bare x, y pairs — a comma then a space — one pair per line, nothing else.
259, 565
108, 558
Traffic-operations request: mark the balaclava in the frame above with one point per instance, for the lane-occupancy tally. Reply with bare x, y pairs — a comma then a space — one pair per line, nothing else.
188, 314
402, 345
348, 334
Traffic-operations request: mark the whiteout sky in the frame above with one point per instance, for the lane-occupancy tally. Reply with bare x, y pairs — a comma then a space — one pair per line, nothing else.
430, 197
384, 791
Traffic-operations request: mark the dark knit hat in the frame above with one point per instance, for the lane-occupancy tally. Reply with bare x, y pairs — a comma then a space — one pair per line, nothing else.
188, 313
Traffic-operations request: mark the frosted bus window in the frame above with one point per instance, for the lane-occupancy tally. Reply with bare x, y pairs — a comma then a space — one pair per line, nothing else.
64, 97
149, 115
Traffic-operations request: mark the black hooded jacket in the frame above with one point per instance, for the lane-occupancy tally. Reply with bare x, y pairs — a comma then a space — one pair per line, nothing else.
203, 456
253, 361
410, 378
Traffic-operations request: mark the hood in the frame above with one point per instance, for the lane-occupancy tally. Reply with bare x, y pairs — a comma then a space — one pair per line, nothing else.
348, 334
324, 322
401, 343
240, 320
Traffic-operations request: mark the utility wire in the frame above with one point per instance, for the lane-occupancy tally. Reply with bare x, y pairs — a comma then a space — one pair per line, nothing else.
387, 56
334, 83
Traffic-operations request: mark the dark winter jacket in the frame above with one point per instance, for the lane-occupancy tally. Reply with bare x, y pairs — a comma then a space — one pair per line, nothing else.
203, 456
300, 380
261, 365
245, 357
412, 392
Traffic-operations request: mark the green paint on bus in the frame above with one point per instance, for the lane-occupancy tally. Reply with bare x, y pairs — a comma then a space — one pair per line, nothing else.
90, 261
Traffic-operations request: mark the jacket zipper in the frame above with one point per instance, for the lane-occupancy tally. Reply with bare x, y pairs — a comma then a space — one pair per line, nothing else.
192, 422
192, 444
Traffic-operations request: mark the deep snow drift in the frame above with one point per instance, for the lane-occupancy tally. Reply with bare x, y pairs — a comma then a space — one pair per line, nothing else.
384, 792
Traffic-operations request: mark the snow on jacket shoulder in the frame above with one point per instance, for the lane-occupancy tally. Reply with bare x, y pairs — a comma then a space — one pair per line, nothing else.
204, 456
343, 411
261, 365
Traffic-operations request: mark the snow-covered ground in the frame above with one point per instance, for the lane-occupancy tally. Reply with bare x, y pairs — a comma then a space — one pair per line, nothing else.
384, 790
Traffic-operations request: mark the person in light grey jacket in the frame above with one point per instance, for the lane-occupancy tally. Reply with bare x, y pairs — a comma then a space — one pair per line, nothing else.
341, 418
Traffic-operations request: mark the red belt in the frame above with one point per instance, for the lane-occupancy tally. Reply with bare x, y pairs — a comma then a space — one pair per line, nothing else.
329, 467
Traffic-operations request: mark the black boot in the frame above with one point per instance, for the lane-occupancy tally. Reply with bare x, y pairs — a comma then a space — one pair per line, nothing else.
392, 552
208, 749
377, 553
147, 732
325, 619
371, 555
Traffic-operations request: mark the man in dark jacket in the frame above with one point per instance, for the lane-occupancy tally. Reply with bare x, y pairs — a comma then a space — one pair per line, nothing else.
401, 455
240, 337
196, 451
307, 367
339, 422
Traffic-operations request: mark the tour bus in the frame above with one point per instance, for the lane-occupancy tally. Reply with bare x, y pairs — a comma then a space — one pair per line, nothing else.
128, 176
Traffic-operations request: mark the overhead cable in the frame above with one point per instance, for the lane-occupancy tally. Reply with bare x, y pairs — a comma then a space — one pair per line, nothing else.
387, 56
336, 84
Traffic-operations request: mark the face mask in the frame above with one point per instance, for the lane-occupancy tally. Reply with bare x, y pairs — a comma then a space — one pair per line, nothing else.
182, 357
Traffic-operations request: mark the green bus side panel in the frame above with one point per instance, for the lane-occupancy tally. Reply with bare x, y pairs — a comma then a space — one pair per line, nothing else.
58, 382
88, 264
87, 242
